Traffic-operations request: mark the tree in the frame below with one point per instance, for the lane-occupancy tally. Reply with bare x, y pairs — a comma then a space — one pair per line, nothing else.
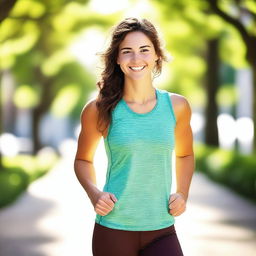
34, 39
5, 7
203, 31
247, 32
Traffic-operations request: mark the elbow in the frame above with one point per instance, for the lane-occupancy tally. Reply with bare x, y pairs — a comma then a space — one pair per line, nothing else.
78, 162
187, 154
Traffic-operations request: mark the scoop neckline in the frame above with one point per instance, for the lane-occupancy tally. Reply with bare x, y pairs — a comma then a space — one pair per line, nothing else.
142, 114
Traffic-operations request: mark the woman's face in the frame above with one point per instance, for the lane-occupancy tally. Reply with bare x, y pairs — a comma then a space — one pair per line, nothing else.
136, 55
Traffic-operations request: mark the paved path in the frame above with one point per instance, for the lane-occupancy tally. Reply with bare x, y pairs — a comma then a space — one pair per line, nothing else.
55, 218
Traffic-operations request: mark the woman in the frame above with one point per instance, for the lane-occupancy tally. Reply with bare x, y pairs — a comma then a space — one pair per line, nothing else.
141, 126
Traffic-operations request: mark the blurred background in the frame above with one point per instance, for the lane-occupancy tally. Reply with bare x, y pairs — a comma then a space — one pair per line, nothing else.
48, 71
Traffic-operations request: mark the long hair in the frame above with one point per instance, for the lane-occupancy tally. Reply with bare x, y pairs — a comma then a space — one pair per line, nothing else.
111, 84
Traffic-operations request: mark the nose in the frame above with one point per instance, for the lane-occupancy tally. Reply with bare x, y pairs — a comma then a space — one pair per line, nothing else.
135, 57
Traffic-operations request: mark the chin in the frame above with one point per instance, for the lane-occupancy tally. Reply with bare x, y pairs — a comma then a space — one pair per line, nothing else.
137, 76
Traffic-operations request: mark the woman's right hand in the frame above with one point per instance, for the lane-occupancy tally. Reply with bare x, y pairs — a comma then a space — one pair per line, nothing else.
104, 203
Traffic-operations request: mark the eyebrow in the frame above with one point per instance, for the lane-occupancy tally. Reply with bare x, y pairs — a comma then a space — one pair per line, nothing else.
129, 48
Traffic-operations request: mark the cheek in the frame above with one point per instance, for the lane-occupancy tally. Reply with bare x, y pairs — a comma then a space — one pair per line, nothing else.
123, 59
151, 58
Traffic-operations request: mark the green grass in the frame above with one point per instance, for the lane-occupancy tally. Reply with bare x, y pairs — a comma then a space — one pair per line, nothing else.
20, 171
228, 167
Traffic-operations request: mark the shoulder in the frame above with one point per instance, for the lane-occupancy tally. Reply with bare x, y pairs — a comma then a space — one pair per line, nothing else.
89, 111
180, 105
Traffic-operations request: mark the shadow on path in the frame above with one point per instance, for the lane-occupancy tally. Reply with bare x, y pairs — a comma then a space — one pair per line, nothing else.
217, 221
20, 232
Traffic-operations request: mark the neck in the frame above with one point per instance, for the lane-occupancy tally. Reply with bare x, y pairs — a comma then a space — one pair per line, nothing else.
136, 91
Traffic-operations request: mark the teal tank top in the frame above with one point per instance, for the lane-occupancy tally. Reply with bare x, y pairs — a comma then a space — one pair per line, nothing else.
139, 150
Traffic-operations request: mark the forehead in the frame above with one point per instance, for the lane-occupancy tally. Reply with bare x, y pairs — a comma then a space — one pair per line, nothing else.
136, 38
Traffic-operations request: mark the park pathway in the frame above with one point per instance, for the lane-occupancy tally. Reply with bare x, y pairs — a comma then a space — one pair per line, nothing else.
55, 217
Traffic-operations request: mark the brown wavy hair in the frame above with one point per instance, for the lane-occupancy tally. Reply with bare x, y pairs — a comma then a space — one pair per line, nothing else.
111, 84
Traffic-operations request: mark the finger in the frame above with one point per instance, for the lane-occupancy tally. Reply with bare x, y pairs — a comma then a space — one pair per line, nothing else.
107, 202
173, 210
173, 199
100, 212
176, 207
104, 205
102, 208
113, 198
177, 211
179, 200
174, 204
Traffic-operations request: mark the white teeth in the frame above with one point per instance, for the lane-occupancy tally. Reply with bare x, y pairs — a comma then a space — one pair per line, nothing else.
137, 68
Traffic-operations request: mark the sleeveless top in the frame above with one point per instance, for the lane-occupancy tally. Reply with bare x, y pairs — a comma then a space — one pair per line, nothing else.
139, 149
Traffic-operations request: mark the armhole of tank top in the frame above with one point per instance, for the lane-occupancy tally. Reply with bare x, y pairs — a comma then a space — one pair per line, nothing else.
109, 153
109, 129
168, 94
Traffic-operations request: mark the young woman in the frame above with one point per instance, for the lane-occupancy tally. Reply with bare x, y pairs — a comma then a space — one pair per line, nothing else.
141, 126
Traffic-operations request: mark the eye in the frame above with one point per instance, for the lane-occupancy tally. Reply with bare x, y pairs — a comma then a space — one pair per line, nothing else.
124, 52
144, 50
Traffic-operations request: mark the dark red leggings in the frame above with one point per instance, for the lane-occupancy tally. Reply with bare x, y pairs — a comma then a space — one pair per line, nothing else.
114, 242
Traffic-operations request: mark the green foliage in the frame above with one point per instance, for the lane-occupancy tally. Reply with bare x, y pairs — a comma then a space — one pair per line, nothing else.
186, 26
26, 97
14, 45
232, 48
72, 77
67, 96
20, 171
251, 5
35, 41
227, 95
228, 167
12, 183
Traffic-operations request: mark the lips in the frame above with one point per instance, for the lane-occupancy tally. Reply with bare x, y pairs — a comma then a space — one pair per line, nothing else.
137, 68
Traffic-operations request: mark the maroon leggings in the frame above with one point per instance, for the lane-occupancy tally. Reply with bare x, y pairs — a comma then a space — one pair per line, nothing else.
114, 242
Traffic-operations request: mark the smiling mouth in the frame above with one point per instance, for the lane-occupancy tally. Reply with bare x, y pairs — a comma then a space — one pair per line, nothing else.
137, 68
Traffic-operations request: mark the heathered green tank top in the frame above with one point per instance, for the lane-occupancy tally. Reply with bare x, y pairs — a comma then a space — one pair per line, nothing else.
139, 149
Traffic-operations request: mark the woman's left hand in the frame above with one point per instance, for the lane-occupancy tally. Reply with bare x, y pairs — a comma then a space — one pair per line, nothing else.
177, 204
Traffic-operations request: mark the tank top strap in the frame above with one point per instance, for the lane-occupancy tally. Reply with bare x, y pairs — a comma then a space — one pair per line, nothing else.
166, 105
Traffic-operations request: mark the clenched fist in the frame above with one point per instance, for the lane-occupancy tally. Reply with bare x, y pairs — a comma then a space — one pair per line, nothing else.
177, 204
105, 203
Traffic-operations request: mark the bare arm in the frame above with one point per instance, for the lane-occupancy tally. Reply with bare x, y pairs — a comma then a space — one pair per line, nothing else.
88, 141
184, 147
184, 153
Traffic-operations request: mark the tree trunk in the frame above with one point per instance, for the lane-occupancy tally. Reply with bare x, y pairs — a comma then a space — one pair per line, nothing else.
212, 84
36, 117
251, 58
254, 103
5, 8
1, 126
47, 96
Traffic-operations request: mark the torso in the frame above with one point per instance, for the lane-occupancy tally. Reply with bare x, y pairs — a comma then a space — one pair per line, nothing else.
139, 148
